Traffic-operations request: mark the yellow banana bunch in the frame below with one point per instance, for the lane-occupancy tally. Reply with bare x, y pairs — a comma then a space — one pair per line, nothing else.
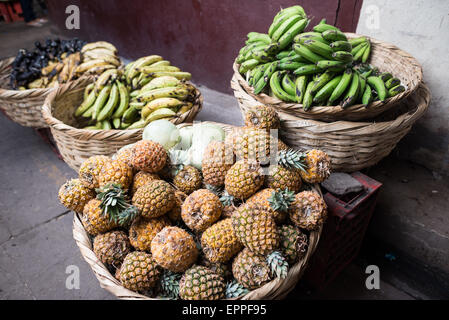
110, 102
98, 57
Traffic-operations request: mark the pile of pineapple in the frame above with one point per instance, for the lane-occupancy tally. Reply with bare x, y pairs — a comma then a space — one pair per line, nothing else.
174, 231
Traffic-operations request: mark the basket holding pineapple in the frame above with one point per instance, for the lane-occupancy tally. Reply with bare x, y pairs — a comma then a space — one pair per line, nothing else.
189, 213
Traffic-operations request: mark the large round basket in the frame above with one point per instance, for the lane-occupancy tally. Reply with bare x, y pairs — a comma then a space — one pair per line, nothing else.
21, 106
76, 145
385, 56
351, 145
275, 289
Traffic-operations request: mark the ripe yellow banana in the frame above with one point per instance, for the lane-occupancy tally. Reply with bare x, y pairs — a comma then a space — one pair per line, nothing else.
99, 69
151, 69
99, 44
140, 63
90, 64
160, 103
104, 78
171, 92
110, 59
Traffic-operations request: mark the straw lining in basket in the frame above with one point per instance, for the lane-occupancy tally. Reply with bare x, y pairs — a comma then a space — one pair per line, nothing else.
76, 145
385, 56
21, 106
275, 289
351, 146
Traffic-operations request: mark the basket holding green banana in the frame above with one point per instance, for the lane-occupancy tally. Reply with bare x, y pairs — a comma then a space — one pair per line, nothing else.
321, 67
147, 89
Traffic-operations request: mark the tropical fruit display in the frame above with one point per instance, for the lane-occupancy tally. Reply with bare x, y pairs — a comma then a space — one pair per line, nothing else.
321, 67
181, 215
59, 61
145, 90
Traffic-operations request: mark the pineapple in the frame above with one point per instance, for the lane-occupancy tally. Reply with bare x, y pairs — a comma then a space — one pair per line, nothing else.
74, 195
188, 179
254, 144
112, 247
228, 203
294, 243
281, 178
217, 159
308, 211
243, 179
227, 211
276, 202
139, 272
154, 199
142, 178
262, 117
235, 290
201, 209
201, 283
251, 269
175, 214
116, 171
231, 136
219, 242
94, 220
318, 165
90, 171
222, 269
124, 155
255, 227
143, 230
174, 249
148, 156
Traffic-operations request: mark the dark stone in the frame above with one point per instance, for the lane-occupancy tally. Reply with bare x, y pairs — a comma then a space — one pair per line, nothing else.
340, 184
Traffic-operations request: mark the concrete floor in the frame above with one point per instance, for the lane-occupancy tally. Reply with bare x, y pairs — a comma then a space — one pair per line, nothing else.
36, 242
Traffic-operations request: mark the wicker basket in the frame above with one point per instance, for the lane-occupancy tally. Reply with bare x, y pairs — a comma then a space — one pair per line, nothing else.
353, 146
21, 106
276, 289
76, 145
385, 56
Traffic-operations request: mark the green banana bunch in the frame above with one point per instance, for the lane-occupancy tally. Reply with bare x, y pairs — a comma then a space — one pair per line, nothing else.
318, 67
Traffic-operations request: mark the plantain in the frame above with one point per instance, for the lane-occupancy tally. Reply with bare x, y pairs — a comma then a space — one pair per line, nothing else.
100, 101
319, 82
341, 86
325, 92
86, 104
300, 87
124, 100
378, 85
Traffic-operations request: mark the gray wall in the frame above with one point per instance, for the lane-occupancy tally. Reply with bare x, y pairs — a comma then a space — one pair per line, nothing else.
420, 27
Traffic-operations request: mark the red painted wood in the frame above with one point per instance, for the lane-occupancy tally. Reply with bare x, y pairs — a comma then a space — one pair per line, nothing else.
200, 36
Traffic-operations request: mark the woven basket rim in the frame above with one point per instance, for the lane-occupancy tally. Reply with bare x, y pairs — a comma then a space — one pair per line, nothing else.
57, 124
333, 113
402, 120
278, 288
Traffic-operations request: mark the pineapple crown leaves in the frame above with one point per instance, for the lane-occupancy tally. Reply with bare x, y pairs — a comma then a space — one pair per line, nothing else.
235, 290
226, 199
278, 264
214, 189
281, 200
114, 205
169, 284
291, 158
